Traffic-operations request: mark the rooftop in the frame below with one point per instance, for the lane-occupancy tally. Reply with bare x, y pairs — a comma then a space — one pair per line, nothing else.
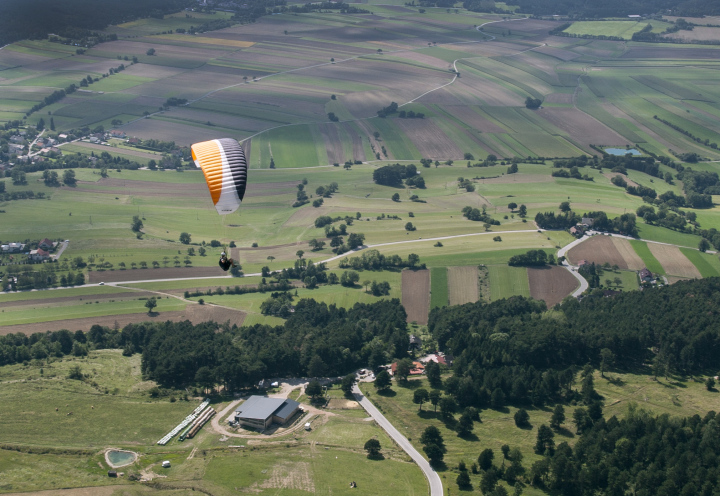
259, 407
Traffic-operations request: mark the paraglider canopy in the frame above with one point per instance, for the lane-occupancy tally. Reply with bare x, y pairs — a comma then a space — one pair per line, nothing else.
225, 168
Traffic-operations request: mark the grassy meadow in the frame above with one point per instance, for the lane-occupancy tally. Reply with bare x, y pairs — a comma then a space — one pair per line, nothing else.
674, 396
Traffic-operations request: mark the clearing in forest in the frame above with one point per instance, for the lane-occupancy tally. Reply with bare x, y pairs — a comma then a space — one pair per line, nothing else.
462, 284
416, 295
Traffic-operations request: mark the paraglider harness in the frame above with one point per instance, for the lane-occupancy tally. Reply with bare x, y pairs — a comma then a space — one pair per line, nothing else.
225, 263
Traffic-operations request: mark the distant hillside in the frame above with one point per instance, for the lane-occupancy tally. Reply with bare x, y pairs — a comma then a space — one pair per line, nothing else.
617, 8
22, 19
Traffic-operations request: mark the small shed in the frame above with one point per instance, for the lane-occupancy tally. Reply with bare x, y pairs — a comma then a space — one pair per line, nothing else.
112, 473
166, 464
307, 426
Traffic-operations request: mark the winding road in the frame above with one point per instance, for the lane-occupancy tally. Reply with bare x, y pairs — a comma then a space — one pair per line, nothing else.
436, 488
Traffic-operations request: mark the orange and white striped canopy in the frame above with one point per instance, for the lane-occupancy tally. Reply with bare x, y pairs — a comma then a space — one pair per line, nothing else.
225, 168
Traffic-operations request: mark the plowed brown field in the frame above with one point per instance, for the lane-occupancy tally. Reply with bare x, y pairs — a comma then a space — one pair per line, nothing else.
598, 249
551, 284
632, 259
673, 261
193, 313
416, 295
462, 285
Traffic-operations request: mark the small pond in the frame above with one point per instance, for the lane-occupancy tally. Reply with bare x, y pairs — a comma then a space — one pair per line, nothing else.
121, 458
621, 152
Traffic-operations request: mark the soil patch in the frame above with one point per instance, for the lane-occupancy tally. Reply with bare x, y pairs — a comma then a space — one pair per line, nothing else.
632, 259
95, 277
581, 126
469, 116
673, 261
598, 250
430, 141
559, 98
462, 285
194, 313
416, 295
333, 144
551, 284
342, 404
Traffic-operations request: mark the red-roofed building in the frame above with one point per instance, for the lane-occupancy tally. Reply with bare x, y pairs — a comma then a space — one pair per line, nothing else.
46, 244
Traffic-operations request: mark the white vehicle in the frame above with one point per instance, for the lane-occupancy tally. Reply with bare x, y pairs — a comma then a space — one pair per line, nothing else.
166, 464
102, 284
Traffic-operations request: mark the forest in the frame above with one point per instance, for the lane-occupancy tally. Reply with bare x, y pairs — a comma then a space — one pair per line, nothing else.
316, 340
514, 346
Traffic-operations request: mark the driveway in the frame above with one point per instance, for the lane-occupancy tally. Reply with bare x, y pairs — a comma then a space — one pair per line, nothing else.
436, 488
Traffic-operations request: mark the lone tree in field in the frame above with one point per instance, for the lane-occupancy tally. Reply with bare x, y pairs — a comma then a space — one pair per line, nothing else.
512, 206
150, 51
150, 304
185, 238
420, 396
372, 446
607, 358
558, 417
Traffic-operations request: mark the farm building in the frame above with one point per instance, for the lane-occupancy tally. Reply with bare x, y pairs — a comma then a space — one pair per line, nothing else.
645, 275
415, 342
260, 412
46, 244
587, 221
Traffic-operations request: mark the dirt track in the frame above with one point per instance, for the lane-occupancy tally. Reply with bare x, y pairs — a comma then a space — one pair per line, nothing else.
193, 313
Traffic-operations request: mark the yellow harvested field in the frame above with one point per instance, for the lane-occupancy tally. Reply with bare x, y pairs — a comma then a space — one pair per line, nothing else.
206, 40
632, 259
462, 284
673, 261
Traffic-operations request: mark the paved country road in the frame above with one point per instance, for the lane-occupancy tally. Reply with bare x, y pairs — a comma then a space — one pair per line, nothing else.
436, 488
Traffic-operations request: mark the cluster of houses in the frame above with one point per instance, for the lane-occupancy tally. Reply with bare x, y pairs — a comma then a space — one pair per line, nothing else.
41, 254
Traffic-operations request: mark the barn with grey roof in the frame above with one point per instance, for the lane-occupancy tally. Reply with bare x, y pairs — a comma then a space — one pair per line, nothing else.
259, 412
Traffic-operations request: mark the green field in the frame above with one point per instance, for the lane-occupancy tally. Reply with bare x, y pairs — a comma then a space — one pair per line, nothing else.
438, 287
651, 262
707, 264
619, 29
506, 281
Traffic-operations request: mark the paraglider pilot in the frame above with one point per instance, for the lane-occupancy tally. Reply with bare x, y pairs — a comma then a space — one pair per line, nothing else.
225, 262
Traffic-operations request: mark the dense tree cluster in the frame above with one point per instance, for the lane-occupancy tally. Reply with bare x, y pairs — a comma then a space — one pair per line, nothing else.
374, 260
532, 258
641, 453
393, 175
506, 345
623, 224
472, 213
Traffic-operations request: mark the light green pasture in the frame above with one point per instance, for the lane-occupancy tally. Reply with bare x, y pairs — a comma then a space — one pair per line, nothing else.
506, 281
